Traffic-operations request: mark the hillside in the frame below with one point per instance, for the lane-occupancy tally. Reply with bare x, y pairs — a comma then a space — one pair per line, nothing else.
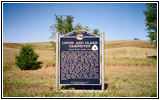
108, 44
36, 45
128, 43
113, 49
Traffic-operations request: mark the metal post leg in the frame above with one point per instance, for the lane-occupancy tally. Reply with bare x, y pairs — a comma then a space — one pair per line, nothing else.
102, 61
57, 79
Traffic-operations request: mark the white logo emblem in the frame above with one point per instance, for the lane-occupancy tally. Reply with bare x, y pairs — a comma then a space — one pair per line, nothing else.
79, 36
94, 48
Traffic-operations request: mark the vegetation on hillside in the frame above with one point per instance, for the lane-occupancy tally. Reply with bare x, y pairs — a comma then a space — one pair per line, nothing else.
27, 58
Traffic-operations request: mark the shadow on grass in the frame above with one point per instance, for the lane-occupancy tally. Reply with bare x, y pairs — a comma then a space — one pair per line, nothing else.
155, 57
83, 87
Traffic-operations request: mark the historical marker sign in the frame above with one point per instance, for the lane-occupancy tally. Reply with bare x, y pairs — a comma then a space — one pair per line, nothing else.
79, 58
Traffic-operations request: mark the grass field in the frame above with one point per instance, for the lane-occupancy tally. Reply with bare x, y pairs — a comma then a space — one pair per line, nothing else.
130, 71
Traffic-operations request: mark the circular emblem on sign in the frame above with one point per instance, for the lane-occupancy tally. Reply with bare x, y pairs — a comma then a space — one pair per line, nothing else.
94, 48
79, 36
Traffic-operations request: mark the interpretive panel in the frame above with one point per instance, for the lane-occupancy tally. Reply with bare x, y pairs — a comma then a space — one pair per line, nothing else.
79, 58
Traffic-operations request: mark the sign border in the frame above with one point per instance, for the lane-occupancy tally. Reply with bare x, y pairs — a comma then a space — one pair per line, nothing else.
100, 80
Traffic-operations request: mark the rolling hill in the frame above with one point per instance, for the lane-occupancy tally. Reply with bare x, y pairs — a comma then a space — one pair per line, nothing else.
113, 49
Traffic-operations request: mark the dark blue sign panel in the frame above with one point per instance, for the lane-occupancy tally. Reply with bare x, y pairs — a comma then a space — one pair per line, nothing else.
79, 58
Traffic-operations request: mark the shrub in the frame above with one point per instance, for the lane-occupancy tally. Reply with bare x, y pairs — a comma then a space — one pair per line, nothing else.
27, 59
53, 45
136, 39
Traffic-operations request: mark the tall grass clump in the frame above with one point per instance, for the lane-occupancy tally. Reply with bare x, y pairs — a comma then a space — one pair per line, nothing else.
53, 45
27, 59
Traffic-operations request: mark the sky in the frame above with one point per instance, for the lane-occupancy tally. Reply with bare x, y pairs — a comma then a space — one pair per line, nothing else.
30, 22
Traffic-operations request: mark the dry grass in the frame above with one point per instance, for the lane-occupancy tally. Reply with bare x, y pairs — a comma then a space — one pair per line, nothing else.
44, 44
128, 72
131, 81
9, 55
130, 52
130, 62
12, 45
45, 56
128, 43
123, 81
35, 45
32, 81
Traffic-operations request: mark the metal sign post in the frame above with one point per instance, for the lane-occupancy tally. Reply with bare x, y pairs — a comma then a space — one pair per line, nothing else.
57, 77
102, 61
